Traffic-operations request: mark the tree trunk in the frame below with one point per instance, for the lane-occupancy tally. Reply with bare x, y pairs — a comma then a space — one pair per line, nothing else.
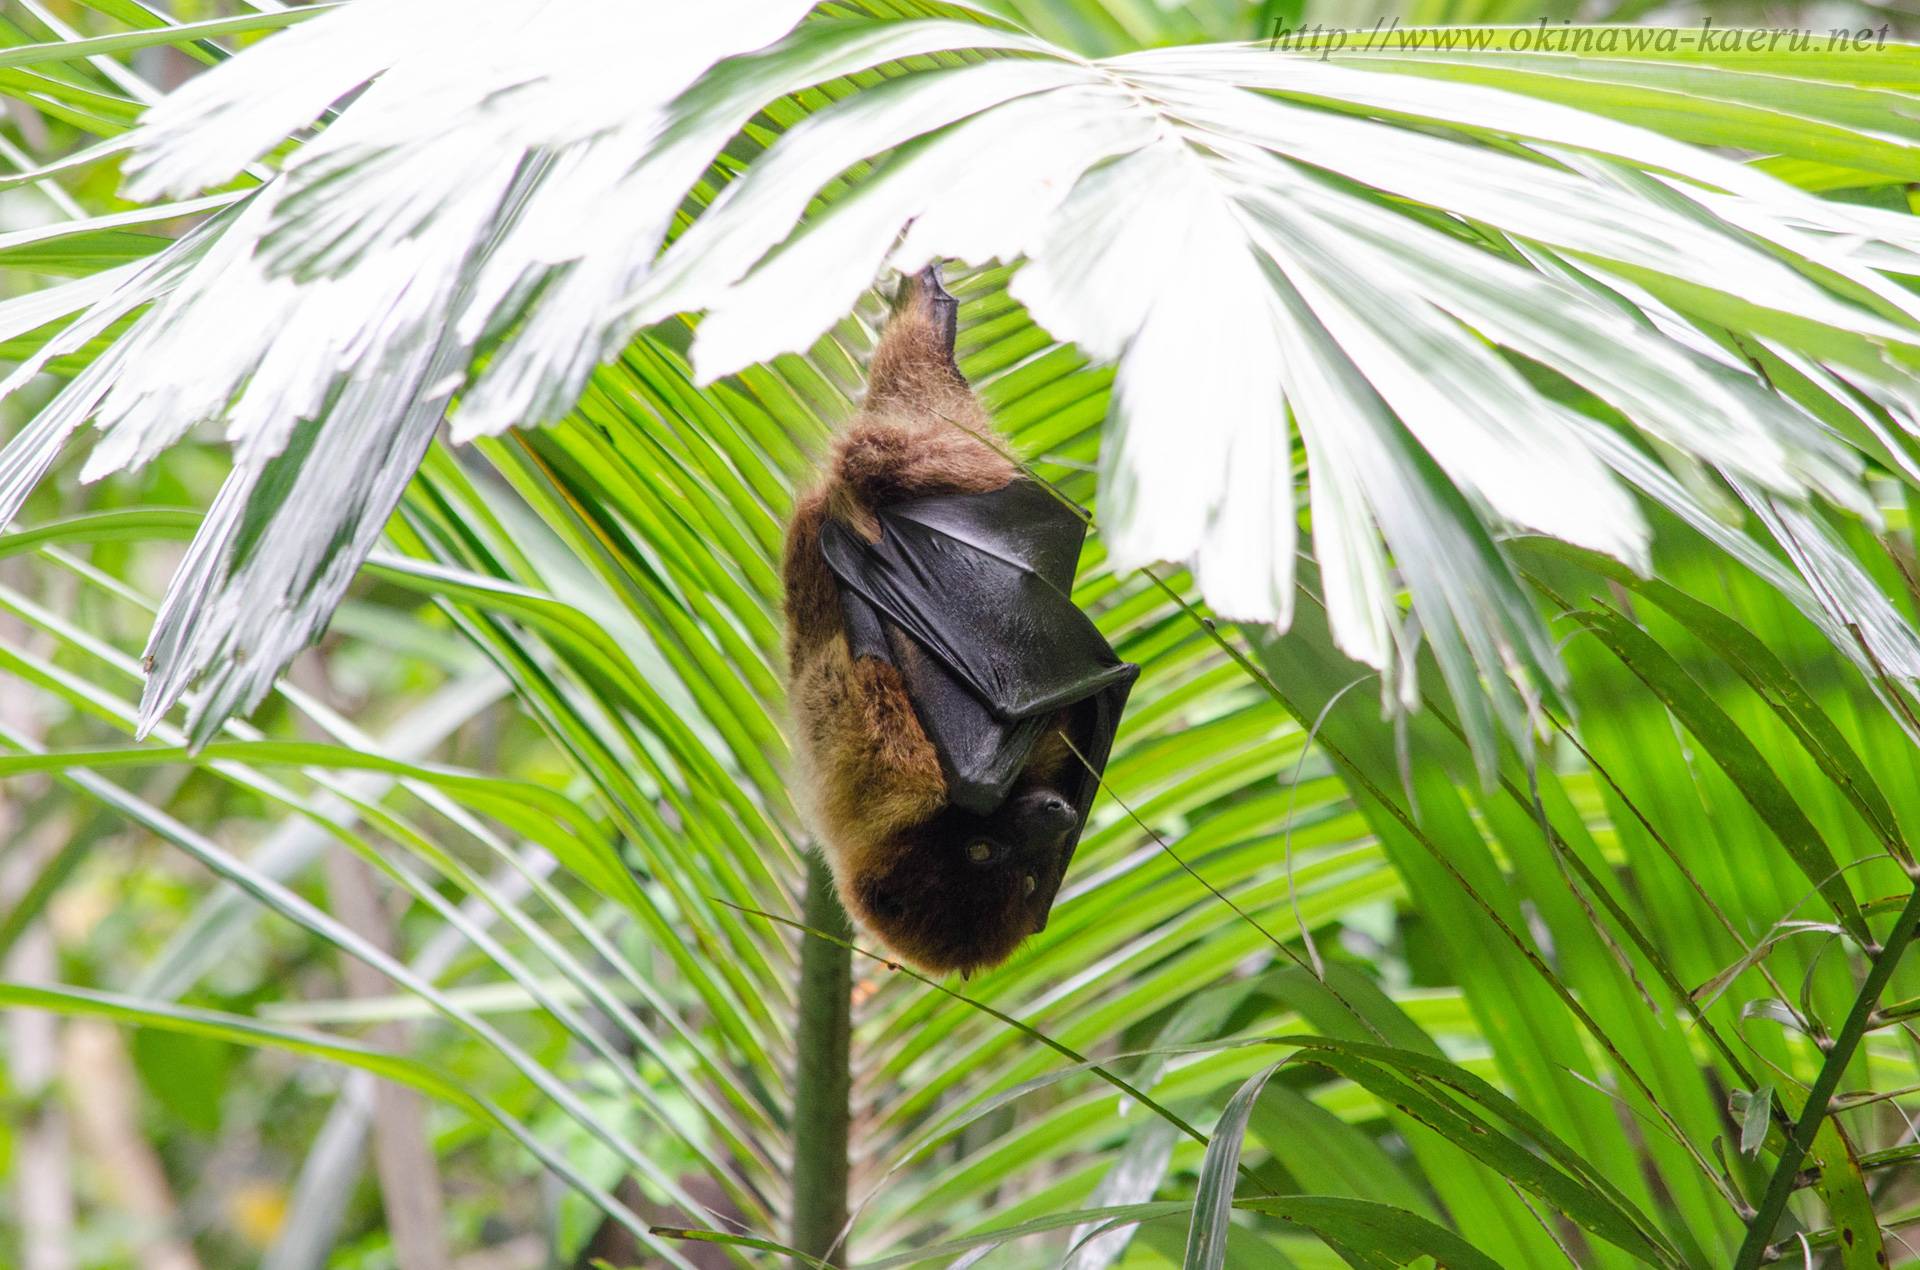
42, 1167
104, 1109
402, 1151
43, 1190
403, 1156
822, 1078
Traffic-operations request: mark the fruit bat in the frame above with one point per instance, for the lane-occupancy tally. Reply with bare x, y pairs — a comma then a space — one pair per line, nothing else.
940, 678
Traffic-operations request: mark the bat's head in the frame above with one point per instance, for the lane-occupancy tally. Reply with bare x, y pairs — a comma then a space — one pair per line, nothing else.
960, 891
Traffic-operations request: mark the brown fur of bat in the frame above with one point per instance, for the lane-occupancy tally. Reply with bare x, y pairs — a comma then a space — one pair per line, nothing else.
871, 778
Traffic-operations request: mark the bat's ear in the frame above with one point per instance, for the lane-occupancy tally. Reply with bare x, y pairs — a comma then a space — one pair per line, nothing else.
925, 295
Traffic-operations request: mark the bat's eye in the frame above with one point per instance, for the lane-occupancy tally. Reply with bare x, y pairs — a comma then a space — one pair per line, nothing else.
980, 851
1027, 884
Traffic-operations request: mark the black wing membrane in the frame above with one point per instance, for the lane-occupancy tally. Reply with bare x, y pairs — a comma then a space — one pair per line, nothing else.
968, 595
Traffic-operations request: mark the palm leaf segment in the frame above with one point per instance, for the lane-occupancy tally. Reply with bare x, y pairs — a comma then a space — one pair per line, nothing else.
1446, 312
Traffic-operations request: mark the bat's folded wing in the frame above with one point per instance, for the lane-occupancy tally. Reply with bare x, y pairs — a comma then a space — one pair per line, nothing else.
968, 596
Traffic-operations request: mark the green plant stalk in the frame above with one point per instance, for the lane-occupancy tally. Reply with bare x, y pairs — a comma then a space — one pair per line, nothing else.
1780, 1186
1036, 1034
822, 1077
1891, 1156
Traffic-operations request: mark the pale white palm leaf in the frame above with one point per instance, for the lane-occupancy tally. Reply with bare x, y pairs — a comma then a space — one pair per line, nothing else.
490, 217
341, 314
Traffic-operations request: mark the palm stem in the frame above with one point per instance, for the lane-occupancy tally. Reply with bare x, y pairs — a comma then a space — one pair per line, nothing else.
1819, 1097
822, 1079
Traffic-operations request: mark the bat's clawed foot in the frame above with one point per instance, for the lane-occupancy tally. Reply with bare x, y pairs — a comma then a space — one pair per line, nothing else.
926, 292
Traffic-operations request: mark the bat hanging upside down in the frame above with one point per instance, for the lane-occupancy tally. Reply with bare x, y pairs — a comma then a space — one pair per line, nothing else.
941, 678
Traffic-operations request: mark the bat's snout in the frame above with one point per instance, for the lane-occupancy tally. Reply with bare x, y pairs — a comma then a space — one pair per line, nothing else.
1053, 813
1039, 822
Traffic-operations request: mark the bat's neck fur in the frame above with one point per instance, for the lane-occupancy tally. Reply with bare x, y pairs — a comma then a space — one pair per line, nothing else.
913, 369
